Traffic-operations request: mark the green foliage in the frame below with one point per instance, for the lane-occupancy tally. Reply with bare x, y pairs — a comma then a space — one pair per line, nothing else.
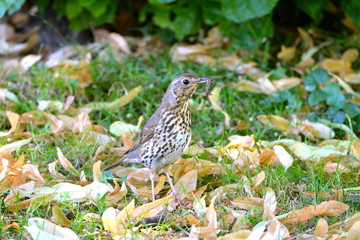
246, 21
82, 13
10, 6
329, 94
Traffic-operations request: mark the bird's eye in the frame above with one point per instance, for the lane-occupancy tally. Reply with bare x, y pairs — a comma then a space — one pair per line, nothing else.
185, 81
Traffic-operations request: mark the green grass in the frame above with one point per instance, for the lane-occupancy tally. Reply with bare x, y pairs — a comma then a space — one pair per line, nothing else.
112, 80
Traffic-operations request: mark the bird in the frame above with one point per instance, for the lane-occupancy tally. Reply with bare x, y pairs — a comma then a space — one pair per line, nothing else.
167, 134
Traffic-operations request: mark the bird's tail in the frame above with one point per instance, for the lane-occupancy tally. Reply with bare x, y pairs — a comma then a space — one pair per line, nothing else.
115, 164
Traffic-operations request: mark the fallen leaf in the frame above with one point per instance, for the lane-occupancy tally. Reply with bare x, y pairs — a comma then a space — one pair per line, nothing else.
67, 165
40, 228
121, 128
286, 83
122, 101
248, 86
14, 145
240, 235
354, 232
150, 209
321, 228
286, 53
329, 208
215, 102
275, 122
59, 217
120, 42
306, 39
269, 204
315, 130
350, 55
284, 157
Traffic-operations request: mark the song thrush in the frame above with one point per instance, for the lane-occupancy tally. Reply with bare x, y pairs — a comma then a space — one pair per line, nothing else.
167, 133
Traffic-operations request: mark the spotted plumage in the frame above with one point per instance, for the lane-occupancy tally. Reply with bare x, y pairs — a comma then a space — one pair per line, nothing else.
167, 133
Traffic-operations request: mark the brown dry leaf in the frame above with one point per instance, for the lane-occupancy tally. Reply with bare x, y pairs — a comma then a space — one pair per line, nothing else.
352, 78
215, 102
354, 232
67, 165
283, 156
120, 42
321, 228
333, 167
328, 208
269, 204
122, 101
275, 122
247, 86
214, 37
203, 232
355, 148
116, 195
285, 83
350, 55
14, 120
40, 228
240, 235
337, 66
286, 53
315, 130
14, 225
59, 217
82, 123
196, 52
306, 38
267, 157
186, 184
260, 177
211, 216
249, 203
56, 124
150, 209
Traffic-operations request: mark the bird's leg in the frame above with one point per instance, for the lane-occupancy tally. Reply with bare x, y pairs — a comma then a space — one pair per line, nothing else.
152, 176
171, 184
173, 188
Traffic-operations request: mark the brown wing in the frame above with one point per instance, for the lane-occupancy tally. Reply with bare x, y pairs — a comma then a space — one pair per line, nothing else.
147, 132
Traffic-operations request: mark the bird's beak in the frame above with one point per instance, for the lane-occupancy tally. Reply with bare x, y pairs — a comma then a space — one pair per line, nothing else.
202, 80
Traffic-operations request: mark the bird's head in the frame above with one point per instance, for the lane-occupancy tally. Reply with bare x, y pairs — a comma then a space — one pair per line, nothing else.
183, 86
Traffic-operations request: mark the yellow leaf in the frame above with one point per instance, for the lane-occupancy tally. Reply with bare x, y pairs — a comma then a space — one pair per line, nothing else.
274, 121
285, 83
352, 78
150, 209
59, 217
240, 235
286, 53
215, 102
248, 86
122, 101
306, 39
350, 55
